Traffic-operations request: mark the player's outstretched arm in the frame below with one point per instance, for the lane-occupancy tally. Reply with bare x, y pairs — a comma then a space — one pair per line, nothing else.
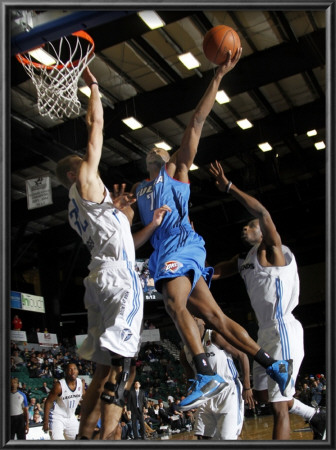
88, 181
184, 157
270, 235
225, 269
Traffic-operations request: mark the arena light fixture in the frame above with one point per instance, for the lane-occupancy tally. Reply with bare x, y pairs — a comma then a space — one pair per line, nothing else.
193, 167
42, 57
86, 91
320, 145
244, 124
311, 133
163, 145
265, 147
189, 60
132, 123
221, 97
151, 19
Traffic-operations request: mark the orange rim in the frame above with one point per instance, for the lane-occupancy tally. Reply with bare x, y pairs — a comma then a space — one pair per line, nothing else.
82, 34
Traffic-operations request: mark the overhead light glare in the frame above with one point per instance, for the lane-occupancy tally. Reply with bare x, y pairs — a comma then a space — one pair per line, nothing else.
320, 145
244, 124
42, 57
265, 147
132, 123
311, 133
151, 19
189, 60
193, 167
87, 91
221, 97
163, 145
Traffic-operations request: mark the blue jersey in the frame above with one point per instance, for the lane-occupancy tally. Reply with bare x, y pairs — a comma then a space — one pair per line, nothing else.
178, 249
164, 190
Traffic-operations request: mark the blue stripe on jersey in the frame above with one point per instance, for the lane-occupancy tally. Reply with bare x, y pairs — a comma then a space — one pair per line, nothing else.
279, 315
115, 215
136, 299
239, 395
136, 296
234, 372
232, 368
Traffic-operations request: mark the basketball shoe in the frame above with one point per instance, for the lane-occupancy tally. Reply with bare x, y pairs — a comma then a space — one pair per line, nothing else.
281, 372
203, 388
318, 423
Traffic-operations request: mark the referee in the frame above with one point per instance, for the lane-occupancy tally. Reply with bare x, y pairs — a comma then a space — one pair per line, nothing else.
18, 412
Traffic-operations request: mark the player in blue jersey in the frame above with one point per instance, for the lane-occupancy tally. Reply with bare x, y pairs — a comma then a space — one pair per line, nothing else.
178, 261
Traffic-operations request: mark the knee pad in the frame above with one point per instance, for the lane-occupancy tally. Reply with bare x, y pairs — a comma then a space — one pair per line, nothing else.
119, 389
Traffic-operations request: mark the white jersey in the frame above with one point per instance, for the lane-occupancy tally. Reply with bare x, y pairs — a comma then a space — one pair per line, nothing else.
220, 361
103, 228
66, 404
273, 291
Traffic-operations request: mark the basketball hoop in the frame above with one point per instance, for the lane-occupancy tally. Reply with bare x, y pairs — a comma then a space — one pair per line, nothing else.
57, 82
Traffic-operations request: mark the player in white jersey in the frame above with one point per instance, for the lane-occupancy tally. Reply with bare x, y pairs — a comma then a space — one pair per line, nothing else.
61, 405
271, 277
113, 294
221, 417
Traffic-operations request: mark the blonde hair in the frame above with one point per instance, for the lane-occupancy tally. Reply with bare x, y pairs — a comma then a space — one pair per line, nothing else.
64, 165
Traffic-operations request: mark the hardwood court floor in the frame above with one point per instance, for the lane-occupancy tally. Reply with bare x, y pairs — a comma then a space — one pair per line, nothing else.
260, 429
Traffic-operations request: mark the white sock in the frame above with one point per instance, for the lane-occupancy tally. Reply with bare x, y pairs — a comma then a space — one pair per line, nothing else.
302, 410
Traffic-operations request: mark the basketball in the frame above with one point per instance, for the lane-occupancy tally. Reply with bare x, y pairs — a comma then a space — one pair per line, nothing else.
218, 41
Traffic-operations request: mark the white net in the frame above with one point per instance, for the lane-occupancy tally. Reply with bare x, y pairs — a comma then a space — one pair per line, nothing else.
57, 83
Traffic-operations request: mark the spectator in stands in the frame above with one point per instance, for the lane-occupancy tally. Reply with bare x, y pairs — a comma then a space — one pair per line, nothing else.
45, 388
38, 408
305, 394
170, 382
126, 424
17, 358
178, 420
149, 431
316, 393
36, 420
154, 419
156, 409
26, 391
163, 414
17, 323
13, 366
46, 372
31, 408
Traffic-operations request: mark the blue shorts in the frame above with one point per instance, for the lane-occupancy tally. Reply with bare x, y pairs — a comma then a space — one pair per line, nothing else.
179, 254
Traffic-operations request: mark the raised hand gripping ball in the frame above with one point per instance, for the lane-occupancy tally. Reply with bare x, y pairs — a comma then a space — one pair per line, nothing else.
218, 41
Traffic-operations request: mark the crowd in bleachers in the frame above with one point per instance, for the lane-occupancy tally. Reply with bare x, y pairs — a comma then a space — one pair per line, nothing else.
158, 370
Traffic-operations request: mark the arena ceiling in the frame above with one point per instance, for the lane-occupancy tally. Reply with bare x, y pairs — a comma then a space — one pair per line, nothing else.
279, 85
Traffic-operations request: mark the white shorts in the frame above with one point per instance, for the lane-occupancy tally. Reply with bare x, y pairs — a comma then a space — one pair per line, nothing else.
114, 301
221, 417
285, 342
63, 428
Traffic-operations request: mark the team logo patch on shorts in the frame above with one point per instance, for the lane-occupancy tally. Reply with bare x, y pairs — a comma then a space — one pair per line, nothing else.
171, 266
126, 334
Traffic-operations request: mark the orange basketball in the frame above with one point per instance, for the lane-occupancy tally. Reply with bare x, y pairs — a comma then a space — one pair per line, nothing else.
218, 41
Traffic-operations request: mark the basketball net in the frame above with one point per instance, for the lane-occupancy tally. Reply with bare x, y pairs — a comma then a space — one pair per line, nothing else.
57, 83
